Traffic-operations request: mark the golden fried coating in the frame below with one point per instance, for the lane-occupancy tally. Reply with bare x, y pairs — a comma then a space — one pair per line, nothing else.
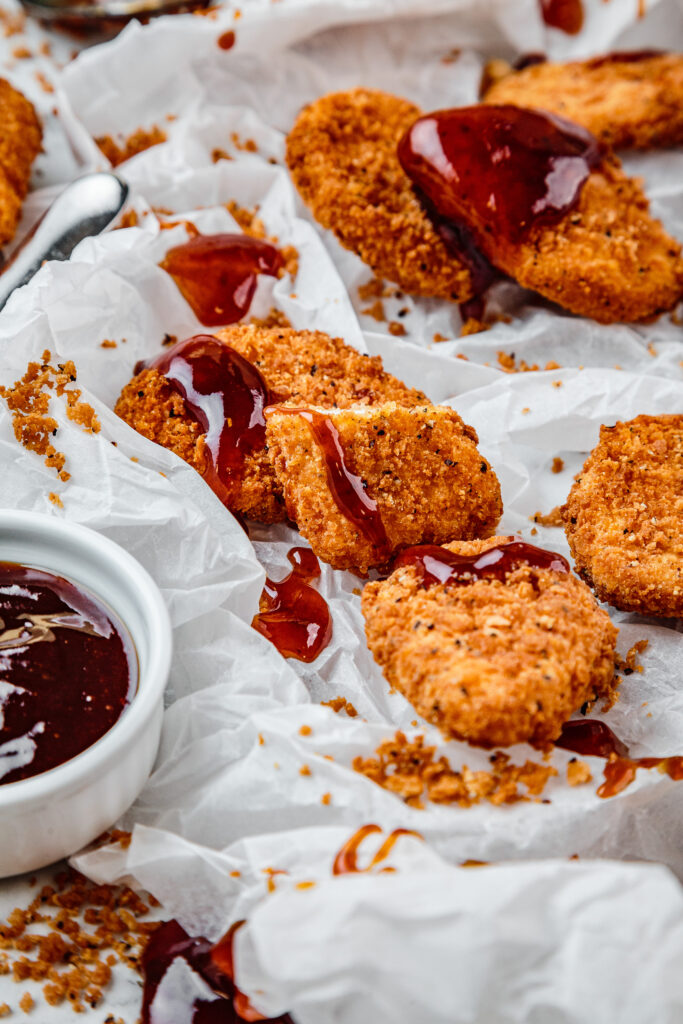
342, 157
625, 100
298, 366
624, 516
419, 465
492, 662
20, 142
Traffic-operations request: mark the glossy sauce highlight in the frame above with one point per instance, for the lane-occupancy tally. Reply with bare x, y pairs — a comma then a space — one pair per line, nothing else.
292, 614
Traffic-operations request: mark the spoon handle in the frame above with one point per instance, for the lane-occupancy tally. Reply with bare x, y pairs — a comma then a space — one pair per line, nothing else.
86, 207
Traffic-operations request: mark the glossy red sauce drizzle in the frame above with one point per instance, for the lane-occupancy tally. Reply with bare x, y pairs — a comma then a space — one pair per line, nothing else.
495, 171
230, 1006
346, 860
68, 666
346, 487
567, 15
226, 395
292, 614
216, 274
435, 564
595, 739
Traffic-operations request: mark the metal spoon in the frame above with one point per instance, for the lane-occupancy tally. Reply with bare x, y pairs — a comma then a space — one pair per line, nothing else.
106, 13
88, 206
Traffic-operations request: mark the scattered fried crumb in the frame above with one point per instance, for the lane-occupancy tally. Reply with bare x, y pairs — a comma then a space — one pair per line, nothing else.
55, 499
396, 328
534, 531
219, 154
44, 82
244, 145
326, 799
558, 465
557, 383
5, 1010
526, 410
304, 885
341, 704
235, 874
108, 343
651, 349
376, 311
21, 52
439, 338
129, 219
410, 769
508, 363
13, 23
305, 730
375, 288
461, 355
578, 772
472, 325
138, 141
273, 318
304, 770
553, 518
628, 664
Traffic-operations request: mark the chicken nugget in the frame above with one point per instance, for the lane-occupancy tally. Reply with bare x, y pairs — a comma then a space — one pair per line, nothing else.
494, 650
624, 516
20, 142
341, 153
299, 366
627, 100
363, 482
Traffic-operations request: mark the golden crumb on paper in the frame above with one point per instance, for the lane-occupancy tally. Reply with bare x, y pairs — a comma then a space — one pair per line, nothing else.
578, 772
552, 518
340, 704
137, 142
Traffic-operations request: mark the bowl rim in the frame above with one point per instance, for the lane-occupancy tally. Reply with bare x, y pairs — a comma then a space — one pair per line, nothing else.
83, 769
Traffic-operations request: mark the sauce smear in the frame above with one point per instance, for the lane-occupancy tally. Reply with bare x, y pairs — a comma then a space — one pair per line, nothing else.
216, 274
435, 564
68, 670
292, 614
495, 171
567, 15
226, 395
595, 739
346, 861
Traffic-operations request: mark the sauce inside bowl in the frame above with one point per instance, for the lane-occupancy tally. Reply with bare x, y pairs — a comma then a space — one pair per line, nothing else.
68, 671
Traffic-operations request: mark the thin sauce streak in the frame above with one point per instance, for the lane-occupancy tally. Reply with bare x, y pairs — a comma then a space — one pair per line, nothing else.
346, 487
595, 739
439, 565
292, 614
566, 15
346, 861
216, 274
226, 395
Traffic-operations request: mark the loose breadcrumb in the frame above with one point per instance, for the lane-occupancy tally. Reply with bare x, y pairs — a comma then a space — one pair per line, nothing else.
305, 770
628, 665
5, 1010
508, 363
558, 464
552, 518
341, 704
108, 343
326, 799
305, 730
578, 772
138, 141
273, 318
55, 499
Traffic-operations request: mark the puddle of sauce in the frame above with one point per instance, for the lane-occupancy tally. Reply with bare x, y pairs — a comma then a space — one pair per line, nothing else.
346, 487
68, 671
230, 1006
435, 564
216, 274
566, 15
495, 171
292, 614
595, 739
226, 395
346, 860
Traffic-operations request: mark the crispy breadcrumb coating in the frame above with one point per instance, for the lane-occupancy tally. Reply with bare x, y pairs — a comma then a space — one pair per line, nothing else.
491, 662
299, 366
419, 465
626, 101
341, 153
624, 516
20, 143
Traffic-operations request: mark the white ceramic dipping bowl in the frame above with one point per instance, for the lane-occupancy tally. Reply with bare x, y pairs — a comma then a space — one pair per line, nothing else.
54, 814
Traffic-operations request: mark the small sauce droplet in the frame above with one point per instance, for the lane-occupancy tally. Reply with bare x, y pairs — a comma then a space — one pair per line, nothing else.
294, 616
216, 274
226, 41
346, 860
566, 15
435, 564
226, 395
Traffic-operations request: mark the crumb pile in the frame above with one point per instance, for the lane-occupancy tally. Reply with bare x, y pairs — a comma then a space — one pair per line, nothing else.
137, 142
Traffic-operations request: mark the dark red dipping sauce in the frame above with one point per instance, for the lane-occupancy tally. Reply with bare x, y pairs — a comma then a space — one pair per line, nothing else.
68, 670
292, 614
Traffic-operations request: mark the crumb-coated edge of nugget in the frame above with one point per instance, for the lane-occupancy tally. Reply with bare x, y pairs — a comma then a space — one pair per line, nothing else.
625, 103
492, 662
20, 143
341, 153
616, 519
420, 465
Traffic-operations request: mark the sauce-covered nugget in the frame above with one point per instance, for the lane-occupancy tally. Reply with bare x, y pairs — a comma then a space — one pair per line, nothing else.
624, 516
363, 482
494, 641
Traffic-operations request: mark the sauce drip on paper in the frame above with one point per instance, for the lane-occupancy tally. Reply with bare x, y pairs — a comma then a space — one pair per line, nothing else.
292, 614
566, 15
346, 860
435, 564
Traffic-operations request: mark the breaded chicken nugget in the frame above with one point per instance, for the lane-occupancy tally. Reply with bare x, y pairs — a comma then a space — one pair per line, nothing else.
341, 154
20, 142
624, 516
627, 100
492, 661
363, 482
299, 366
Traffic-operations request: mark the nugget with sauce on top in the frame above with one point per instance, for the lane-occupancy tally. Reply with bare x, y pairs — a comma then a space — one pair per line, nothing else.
363, 482
500, 649
624, 516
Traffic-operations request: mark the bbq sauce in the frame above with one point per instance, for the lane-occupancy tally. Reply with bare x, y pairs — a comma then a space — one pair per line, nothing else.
496, 171
68, 670
230, 1006
346, 487
292, 614
566, 15
216, 274
226, 395
435, 564
595, 739
346, 861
